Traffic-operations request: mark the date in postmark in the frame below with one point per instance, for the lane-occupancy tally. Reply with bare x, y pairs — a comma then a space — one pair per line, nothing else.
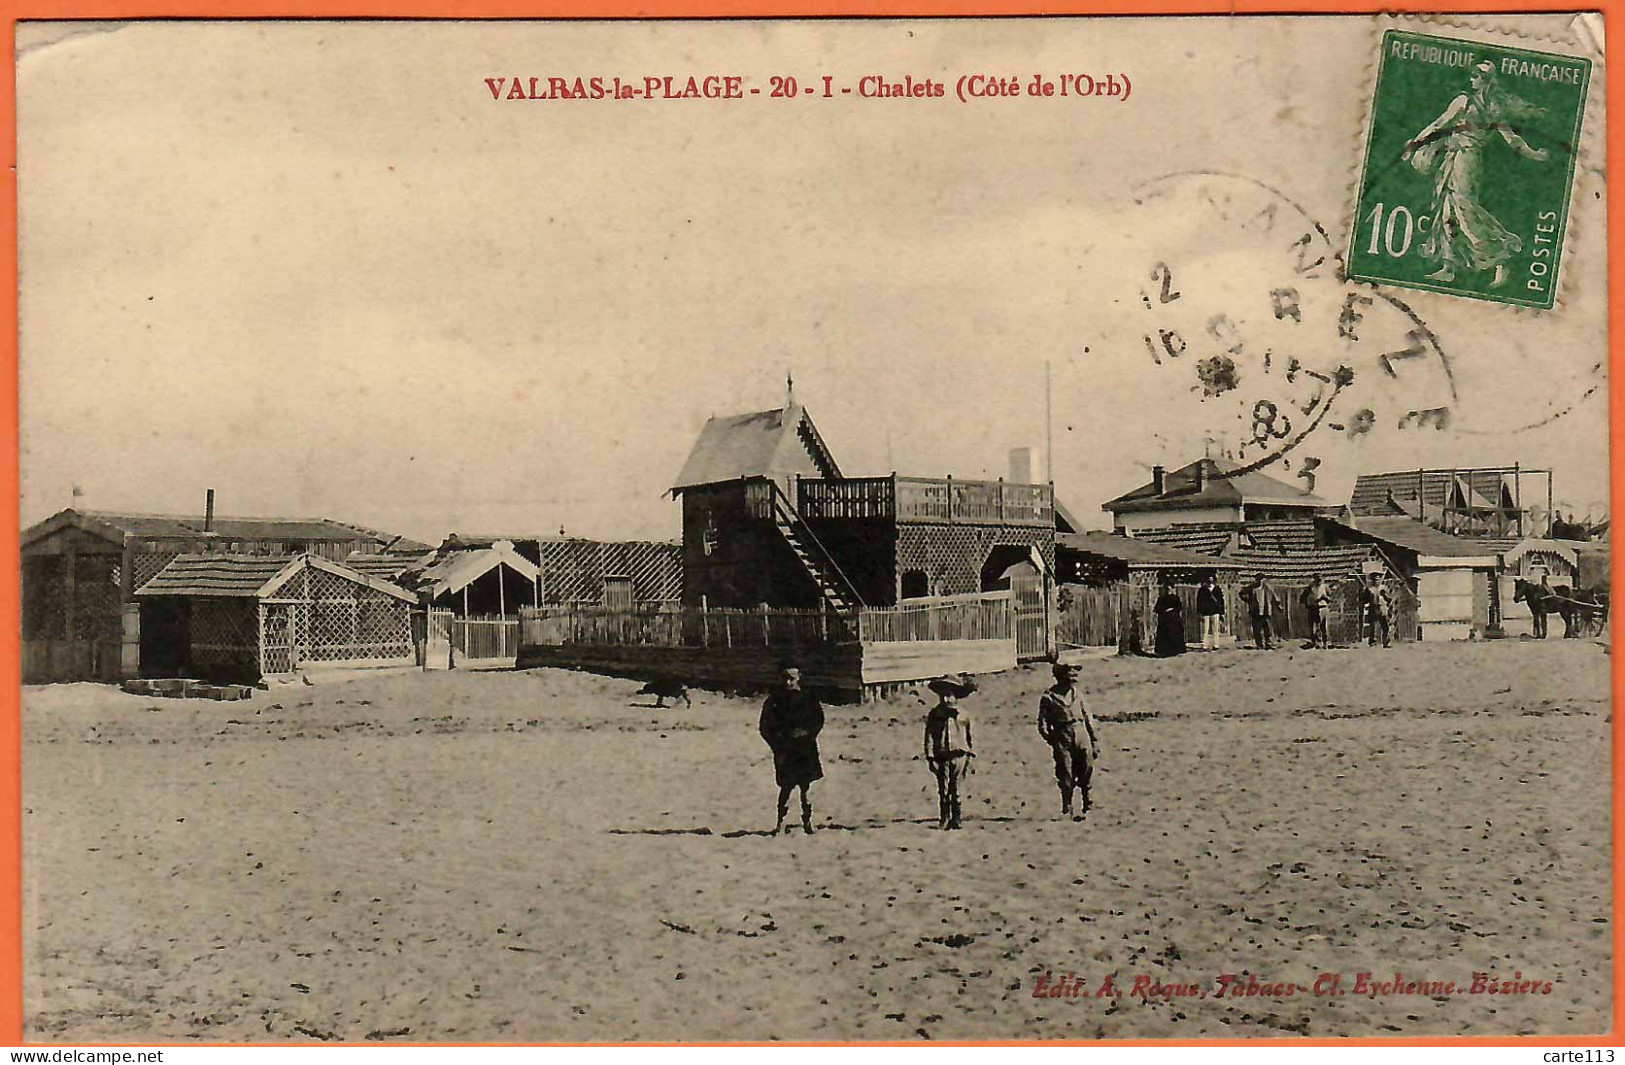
1469, 164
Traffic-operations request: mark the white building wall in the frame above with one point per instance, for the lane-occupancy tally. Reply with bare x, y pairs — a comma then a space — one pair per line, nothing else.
1159, 519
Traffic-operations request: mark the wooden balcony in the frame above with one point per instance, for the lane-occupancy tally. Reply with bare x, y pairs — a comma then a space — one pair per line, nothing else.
926, 500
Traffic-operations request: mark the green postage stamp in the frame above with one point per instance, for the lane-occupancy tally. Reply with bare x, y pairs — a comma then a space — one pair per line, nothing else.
1469, 163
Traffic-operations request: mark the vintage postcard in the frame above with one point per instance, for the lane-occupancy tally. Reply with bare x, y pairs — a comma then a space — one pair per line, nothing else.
876, 529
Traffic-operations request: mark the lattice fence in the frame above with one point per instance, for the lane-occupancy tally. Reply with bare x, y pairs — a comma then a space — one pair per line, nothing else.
223, 636
951, 556
340, 620
45, 615
97, 602
573, 571
147, 564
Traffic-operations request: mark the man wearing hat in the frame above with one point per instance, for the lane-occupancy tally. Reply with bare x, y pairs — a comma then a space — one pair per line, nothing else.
791, 720
1260, 600
948, 743
1067, 726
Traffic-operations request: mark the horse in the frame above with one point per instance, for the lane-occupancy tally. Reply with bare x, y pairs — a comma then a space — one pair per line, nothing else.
1541, 601
1583, 612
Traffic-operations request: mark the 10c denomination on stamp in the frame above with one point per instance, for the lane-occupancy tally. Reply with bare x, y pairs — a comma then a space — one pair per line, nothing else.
1469, 163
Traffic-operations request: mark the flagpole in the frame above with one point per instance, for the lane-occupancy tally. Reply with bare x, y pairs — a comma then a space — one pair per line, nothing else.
1049, 430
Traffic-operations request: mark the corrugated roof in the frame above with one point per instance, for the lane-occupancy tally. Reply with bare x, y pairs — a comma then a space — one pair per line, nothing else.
1329, 562
1213, 482
1378, 493
768, 443
227, 528
1204, 539
117, 525
1419, 539
386, 566
1138, 553
219, 575
1282, 537
248, 576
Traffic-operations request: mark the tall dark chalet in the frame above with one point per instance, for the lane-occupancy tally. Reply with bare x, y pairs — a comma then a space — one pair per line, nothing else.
769, 518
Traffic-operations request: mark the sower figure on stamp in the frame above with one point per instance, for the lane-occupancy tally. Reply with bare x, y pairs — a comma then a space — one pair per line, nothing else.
948, 749
1065, 723
790, 723
1461, 233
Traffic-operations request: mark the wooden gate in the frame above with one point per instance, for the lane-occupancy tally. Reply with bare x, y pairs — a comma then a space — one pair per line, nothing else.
1030, 602
487, 639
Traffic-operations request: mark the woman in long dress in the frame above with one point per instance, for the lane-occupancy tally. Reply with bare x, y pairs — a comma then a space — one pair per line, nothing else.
1461, 234
1170, 611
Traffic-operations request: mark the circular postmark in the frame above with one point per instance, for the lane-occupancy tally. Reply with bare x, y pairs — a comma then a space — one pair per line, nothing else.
1241, 299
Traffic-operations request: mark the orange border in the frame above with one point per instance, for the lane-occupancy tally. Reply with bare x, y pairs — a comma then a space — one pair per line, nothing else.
11, 11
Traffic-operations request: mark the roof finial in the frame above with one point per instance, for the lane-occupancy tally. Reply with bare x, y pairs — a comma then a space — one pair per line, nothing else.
789, 389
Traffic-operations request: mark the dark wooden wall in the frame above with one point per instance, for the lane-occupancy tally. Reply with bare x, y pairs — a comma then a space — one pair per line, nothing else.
749, 562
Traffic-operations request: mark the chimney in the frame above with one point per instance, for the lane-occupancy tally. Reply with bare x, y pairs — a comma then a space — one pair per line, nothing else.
1021, 465
208, 511
1201, 477
1158, 484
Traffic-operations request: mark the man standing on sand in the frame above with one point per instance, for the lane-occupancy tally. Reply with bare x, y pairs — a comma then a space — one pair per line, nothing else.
1260, 600
790, 723
948, 748
1067, 726
1317, 598
1379, 610
1210, 605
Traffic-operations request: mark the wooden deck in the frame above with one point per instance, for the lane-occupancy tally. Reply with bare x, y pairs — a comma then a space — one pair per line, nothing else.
843, 672
926, 500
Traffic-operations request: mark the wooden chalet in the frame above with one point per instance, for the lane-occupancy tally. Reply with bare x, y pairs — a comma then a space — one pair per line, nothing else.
1453, 577
239, 618
81, 570
1212, 491
863, 582
769, 518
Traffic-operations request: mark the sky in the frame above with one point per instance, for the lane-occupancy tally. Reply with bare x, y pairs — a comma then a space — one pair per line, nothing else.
316, 267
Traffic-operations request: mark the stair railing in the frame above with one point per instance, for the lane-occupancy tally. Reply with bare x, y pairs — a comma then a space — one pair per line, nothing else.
782, 503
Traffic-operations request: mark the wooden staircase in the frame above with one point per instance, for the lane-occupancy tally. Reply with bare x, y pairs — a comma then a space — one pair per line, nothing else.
833, 585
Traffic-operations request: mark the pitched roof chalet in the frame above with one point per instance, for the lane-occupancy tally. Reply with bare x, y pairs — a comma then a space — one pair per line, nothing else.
248, 576
1210, 482
766, 443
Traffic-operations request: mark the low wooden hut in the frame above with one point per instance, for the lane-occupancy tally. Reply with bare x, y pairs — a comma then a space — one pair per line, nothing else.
1452, 577
81, 569
238, 618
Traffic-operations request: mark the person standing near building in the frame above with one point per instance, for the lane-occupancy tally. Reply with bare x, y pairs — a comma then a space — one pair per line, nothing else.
1379, 610
1064, 722
1210, 605
1170, 611
791, 720
1260, 600
948, 748
1317, 598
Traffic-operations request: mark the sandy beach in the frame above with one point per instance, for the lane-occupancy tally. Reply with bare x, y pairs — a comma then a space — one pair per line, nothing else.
535, 856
